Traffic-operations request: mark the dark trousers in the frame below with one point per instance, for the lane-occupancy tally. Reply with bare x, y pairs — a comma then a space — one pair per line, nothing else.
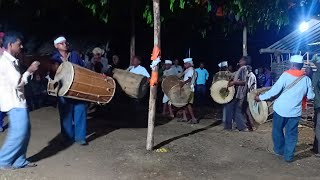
200, 94
316, 120
235, 110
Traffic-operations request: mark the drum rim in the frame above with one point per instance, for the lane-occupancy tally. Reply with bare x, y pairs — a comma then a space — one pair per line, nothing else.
232, 88
262, 117
67, 87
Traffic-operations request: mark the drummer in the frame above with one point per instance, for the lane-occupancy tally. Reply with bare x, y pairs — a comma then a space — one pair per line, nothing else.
291, 87
189, 78
235, 107
224, 72
136, 68
73, 113
169, 71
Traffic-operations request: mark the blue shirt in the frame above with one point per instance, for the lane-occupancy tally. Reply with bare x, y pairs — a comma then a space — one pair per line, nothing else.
73, 58
289, 103
203, 76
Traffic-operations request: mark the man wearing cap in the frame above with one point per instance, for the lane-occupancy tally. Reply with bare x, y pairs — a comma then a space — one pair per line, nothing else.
235, 108
12, 100
73, 113
99, 62
202, 77
223, 74
189, 78
169, 71
290, 89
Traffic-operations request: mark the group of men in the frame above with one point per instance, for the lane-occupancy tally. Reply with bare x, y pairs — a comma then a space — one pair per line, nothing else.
288, 91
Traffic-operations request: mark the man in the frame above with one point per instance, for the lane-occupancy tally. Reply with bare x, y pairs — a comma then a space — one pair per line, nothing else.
252, 85
2, 114
224, 74
261, 77
177, 67
12, 100
290, 88
73, 113
136, 68
235, 107
99, 62
189, 78
268, 78
316, 119
169, 71
202, 77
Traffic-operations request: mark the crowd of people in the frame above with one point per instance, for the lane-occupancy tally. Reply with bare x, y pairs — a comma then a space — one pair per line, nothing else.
20, 92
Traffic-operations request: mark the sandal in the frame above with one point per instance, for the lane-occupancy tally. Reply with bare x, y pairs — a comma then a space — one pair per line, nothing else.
193, 121
182, 120
30, 165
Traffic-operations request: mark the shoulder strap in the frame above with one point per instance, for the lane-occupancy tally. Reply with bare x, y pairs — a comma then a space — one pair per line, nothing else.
292, 84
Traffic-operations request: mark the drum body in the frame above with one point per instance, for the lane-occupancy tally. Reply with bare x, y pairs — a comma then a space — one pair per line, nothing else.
221, 93
178, 96
261, 110
134, 85
75, 82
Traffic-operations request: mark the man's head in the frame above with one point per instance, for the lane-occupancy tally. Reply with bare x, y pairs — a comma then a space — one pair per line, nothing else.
176, 62
249, 68
168, 64
60, 43
12, 42
136, 61
188, 63
230, 68
97, 53
260, 70
296, 62
201, 65
115, 59
245, 60
1, 38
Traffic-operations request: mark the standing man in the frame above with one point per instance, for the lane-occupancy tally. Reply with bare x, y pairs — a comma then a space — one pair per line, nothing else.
73, 113
169, 71
12, 100
2, 114
268, 78
202, 77
316, 119
99, 62
235, 108
291, 87
177, 67
223, 74
252, 85
189, 78
136, 68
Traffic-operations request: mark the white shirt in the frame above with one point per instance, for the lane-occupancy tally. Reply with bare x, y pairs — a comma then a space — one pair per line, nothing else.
139, 70
190, 73
178, 68
169, 72
252, 81
11, 87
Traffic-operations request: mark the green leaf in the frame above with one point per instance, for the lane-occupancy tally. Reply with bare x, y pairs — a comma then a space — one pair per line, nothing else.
182, 3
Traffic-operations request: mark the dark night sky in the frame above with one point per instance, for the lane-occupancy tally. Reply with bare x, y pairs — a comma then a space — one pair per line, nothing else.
176, 36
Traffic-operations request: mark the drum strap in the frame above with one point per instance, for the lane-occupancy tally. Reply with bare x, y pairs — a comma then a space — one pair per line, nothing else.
292, 84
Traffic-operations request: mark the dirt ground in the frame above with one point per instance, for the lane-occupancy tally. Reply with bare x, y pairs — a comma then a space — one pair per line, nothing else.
202, 151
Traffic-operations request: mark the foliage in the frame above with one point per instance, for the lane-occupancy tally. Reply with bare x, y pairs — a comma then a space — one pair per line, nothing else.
98, 8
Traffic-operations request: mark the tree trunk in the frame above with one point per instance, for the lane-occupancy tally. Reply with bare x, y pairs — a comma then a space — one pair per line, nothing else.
153, 89
133, 32
244, 43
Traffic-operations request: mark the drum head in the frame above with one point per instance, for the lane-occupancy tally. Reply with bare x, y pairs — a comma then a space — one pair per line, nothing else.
221, 93
64, 75
259, 110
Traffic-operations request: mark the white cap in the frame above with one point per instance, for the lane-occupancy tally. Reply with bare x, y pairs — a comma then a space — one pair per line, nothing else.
296, 59
187, 60
59, 40
168, 62
223, 64
98, 50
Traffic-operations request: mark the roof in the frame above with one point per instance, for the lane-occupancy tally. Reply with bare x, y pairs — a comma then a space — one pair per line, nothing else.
308, 41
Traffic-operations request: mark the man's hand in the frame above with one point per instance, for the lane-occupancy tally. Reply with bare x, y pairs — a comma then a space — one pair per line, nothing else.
257, 98
231, 83
33, 67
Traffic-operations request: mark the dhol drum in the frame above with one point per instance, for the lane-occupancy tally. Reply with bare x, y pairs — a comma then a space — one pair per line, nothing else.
261, 110
221, 93
75, 82
178, 96
134, 85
